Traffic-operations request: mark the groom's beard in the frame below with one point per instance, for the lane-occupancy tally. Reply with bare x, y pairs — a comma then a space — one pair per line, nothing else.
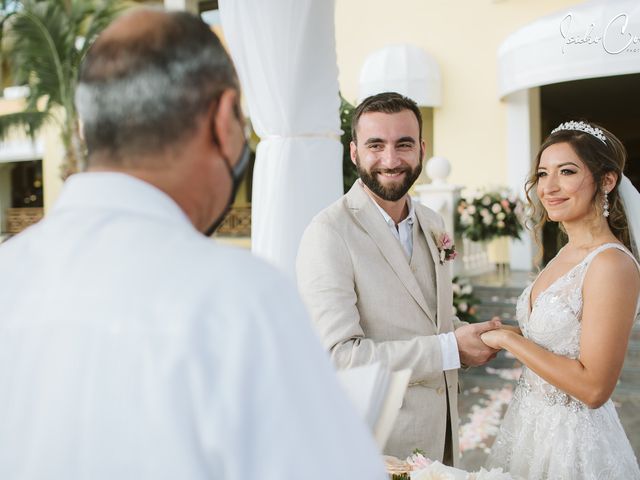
395, 191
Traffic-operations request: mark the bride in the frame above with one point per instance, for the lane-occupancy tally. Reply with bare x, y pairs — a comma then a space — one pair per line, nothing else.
576, 318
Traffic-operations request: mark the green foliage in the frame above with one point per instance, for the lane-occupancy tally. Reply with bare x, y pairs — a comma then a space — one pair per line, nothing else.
464, 302
488, 216
45, 42
349, 172
29, 121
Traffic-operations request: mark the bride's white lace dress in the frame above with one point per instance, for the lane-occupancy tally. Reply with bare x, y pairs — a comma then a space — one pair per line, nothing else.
546, 434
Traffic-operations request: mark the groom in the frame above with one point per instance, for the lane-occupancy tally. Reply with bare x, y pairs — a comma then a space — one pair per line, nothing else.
369, 271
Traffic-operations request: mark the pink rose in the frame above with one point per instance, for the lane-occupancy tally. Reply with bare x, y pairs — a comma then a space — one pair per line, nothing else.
446, 241
417, 461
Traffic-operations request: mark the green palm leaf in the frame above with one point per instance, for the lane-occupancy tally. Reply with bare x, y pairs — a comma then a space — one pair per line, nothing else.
44, 41
39, 51
26, 121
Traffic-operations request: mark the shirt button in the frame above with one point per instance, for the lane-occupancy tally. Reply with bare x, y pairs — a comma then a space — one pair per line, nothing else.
440, 390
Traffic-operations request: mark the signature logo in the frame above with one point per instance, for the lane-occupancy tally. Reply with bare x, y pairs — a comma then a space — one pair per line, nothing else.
614, 38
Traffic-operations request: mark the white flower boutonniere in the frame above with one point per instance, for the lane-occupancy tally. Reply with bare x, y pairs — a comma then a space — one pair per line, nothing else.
446, 248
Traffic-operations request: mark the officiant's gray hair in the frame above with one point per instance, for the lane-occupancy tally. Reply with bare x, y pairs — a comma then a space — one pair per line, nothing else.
143, 85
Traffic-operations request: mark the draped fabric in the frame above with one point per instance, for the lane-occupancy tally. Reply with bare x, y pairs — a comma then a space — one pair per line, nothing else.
284, 52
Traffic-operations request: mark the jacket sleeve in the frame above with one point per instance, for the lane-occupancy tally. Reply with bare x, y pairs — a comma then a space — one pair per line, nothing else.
326, 282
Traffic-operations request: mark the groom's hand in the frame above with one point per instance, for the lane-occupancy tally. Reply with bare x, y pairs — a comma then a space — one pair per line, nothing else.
473, 351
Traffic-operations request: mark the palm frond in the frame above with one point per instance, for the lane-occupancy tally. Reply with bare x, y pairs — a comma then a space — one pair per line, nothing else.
41, 37
26, 121
101, 16
38, 50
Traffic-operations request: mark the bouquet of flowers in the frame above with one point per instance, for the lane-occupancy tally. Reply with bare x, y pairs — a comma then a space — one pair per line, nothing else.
418, 467
489, 215
464, 302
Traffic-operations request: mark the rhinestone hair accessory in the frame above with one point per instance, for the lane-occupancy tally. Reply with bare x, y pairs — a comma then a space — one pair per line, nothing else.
583, 127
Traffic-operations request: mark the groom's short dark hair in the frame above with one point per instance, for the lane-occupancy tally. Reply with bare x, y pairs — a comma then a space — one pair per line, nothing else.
387, 102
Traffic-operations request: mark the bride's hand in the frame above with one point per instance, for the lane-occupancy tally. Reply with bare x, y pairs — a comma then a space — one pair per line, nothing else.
495, 338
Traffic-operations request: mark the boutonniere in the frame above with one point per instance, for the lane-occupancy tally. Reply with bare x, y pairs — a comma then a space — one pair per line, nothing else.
446, 248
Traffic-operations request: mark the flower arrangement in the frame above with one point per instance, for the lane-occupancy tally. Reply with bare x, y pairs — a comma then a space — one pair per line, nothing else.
418, 467
446, 248
464, 302
489, 215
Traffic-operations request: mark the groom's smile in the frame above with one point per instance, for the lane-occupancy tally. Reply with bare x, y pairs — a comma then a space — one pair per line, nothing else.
388, 156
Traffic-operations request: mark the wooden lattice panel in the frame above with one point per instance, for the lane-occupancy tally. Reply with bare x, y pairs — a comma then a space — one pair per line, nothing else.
237, 223
20, 218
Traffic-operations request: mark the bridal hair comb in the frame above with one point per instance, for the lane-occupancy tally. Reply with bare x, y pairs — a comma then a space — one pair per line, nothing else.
583, 127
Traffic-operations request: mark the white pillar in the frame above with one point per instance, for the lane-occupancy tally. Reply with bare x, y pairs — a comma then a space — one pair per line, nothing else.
292, 95
441, 197
523, 141
188, 5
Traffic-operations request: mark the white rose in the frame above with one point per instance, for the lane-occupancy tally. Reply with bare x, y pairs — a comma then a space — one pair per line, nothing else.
488, 219
495, 208
456, 289
467, 289
484, 212
501, 216
465, 220
500, 224
471, 209
463, 307
486, 201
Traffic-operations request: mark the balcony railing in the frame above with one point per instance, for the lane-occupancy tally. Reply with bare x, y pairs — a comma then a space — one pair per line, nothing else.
20, 218
237, 223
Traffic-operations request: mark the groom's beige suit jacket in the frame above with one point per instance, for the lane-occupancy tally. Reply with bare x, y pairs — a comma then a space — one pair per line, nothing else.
370, 303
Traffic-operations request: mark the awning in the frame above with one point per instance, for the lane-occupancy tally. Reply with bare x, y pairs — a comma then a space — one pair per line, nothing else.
20, 150
405, 69
595, 39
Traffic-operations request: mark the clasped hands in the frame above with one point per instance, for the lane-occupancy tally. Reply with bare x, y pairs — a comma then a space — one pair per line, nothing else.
479, 343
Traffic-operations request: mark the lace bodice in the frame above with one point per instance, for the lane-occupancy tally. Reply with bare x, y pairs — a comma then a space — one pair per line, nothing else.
553, 321
546, 434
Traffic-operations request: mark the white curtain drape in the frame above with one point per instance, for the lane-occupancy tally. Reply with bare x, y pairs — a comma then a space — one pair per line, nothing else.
284, 52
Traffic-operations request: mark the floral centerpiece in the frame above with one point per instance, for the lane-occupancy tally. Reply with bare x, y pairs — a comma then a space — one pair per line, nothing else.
464, 302
489, 215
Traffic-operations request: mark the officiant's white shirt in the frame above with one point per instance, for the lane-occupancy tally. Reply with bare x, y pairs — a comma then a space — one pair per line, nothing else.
132, 347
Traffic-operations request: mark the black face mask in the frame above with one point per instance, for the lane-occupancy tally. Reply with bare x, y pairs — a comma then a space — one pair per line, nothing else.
236, 173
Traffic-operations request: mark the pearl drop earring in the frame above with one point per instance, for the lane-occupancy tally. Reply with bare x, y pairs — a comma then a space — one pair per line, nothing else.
605, 205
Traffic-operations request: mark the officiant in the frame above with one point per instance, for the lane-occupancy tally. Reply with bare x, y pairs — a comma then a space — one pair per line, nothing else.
134, 347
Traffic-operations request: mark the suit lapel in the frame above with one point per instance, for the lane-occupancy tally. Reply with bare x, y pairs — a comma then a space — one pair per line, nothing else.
428, 231
368, 216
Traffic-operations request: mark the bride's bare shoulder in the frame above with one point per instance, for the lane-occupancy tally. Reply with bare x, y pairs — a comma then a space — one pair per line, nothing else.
614, 265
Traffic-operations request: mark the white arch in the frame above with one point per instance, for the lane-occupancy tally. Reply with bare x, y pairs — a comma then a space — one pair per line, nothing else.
595, 39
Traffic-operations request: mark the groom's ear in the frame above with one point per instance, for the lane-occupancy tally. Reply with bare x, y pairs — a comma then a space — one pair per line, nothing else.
353, 151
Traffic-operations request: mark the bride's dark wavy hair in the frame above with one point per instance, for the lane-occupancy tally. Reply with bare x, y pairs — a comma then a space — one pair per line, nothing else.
600, 159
